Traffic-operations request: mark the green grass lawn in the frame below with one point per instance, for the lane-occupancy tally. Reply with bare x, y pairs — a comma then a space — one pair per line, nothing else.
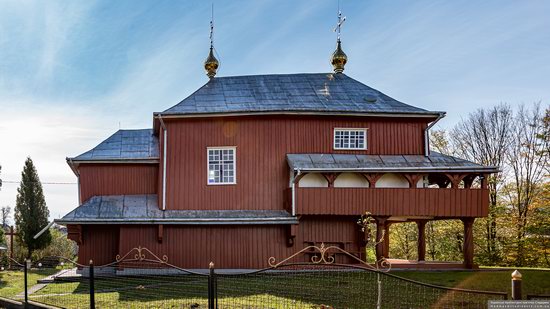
12, 282
534, 281
280, 290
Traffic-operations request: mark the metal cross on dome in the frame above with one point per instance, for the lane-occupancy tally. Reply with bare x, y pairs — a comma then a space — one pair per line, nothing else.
341, 21
212, 27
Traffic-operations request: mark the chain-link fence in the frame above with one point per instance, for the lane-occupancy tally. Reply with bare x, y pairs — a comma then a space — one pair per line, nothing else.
339, 286
142, 281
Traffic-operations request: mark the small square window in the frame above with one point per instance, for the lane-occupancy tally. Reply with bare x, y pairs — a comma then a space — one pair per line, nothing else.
221, 165
350, 139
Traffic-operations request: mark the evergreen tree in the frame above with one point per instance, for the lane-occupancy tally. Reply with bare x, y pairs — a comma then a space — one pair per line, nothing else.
31, 213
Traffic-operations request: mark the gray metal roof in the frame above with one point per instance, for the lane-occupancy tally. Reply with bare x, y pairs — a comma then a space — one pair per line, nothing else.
143, 209
124, 145
317, 93
435, 162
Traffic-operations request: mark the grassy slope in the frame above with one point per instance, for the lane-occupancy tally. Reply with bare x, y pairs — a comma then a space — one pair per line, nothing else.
12, 282
534, 281
278, 292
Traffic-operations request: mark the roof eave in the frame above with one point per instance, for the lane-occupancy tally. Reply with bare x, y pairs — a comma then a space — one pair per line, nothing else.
427, 114
119, 161
183, 221
485, 169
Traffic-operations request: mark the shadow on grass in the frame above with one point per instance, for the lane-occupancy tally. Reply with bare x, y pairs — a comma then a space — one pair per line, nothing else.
336, 287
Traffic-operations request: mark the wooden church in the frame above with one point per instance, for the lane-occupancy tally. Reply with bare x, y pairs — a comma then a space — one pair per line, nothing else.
250, 167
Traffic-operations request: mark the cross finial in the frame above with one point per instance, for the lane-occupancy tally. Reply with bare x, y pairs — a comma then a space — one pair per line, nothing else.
211, 63
341, 21
212, 27
339, 58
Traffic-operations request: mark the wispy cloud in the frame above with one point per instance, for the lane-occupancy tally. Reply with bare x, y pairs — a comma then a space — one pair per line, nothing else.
71, 71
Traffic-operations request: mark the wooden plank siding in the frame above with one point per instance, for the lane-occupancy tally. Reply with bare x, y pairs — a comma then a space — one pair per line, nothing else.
262, 144
240, 246
117, 179
100, 243
444, 203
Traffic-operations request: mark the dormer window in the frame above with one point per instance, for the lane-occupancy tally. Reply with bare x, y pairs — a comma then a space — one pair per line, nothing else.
350, 139
221, 166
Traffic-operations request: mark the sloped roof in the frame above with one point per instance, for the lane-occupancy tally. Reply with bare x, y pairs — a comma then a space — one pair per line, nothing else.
313, 93
143, 209
124, 145
435, 162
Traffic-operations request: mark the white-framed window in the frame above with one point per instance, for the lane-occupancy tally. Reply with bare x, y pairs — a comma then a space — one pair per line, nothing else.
350, 139
222, 165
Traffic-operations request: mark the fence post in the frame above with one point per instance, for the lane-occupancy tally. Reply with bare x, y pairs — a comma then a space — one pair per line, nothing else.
212, 297
92, 290
26, 266
516, 285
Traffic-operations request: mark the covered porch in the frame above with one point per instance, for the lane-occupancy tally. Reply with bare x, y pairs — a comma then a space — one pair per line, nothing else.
393, 189
383, 247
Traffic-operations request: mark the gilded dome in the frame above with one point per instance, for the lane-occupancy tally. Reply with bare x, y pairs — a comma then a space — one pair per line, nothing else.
339, 59
211, 64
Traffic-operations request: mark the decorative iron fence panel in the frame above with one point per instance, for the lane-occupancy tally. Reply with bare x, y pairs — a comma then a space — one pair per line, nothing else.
140, 279
339, 286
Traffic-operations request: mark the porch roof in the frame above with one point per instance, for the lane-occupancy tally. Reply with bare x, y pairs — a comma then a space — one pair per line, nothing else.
435, 162
143, 209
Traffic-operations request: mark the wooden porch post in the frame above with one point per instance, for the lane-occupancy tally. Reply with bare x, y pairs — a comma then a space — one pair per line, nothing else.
380, 230
387, 239
421, 240
468, 247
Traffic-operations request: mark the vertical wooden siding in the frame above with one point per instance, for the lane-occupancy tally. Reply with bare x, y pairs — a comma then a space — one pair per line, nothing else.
244, 246
115, 179
100, 243
262, 144
393, 201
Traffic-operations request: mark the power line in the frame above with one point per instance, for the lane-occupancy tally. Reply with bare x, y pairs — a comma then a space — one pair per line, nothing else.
44, 182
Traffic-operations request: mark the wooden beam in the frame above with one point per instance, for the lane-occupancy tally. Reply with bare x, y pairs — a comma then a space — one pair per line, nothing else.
380, 231
387, 239
468, 247
484, 181
421, 250
455, 179
292, 231
330, 177
297, 179
372, 178
160, 233
74, 232
412, 179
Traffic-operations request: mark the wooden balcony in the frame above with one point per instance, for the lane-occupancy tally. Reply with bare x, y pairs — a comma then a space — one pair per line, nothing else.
402, 202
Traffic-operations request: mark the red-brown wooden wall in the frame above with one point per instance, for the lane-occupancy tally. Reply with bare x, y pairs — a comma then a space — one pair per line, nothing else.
443, 203
243, 246
100, 243
117, 179
262, 144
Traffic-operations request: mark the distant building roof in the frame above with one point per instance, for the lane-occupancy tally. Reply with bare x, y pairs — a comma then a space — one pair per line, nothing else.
435, 162
124, 145
143, 209
301, 93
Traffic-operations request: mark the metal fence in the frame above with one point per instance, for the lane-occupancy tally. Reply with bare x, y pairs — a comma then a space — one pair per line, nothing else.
140, 279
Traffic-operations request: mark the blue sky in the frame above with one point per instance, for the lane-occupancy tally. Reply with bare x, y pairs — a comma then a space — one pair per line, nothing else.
73, 72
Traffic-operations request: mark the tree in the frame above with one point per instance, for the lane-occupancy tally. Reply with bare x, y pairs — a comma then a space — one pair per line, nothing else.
484, 138
5, 213
31, 212
528, 159
440, 142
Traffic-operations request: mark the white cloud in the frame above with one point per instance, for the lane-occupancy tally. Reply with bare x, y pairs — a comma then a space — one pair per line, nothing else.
47, 132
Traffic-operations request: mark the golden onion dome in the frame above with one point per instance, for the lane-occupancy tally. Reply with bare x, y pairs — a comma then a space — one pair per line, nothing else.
339, 59
211, 64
